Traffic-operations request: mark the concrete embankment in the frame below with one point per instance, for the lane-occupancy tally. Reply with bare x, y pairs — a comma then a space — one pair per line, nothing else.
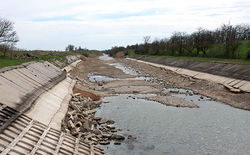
235, 71
34, 99
26, 82
234, 77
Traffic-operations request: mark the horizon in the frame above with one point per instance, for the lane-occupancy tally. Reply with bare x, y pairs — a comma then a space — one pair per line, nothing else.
95, 25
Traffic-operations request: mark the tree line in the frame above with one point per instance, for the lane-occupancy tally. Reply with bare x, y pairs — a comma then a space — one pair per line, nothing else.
221, 42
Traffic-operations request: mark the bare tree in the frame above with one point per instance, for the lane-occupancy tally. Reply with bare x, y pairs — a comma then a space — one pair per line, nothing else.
7, 33
146, 39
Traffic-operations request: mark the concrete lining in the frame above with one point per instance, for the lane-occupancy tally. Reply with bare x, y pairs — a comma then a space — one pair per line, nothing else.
233, 71
236, 84
47, 105
71, 66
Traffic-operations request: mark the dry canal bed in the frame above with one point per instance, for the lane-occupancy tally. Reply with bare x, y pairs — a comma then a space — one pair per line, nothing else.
181, 122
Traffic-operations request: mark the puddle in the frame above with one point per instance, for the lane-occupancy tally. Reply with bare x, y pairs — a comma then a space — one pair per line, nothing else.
214, 128
105, 57
102, 78
126, 70
99, 78
122, 87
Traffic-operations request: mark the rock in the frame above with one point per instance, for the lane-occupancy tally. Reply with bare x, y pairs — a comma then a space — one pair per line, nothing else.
117, 143
71, 125
97, 132
118, 137
97, 119
110, 126
106, 136
104, 142
110, 122
103, 122
114, 130
130, 137
77, 94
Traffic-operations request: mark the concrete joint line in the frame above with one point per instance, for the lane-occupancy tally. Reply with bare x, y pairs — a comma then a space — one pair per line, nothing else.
59, 144
40, 141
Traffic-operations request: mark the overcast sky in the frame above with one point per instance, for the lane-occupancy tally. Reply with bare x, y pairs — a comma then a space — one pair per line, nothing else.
96, 24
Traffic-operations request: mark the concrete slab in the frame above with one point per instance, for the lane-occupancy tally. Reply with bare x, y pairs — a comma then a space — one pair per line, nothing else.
19, 82
28, 79
246, 87
33, 75
30, 86
16, 80
234, 82
38, 73
42, 70
71, 66
187, 72
60, 114
240, 84
49, 103
9, 95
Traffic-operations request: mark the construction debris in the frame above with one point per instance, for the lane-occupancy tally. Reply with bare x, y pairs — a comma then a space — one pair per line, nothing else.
80, 121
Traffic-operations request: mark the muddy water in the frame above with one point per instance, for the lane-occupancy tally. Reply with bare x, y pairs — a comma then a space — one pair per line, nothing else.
214, 128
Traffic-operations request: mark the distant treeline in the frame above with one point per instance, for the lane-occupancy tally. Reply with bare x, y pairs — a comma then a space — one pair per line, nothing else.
227, 41
80, 50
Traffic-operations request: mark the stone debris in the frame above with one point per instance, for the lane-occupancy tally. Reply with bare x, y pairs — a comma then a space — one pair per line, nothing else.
80, 121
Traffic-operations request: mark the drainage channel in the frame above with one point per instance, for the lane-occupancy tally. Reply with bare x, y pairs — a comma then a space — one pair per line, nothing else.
27, 136
213, 128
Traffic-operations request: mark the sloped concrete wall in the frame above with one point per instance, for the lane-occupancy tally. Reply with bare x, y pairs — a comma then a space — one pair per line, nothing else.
234, 71
235, 85
21, 85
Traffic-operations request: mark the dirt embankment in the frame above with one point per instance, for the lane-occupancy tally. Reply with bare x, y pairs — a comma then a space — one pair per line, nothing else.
223, 69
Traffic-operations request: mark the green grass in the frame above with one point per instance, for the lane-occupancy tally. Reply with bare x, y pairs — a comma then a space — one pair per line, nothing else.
7, 61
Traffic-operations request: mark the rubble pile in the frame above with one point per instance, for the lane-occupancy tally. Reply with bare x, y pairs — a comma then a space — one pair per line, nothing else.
80, 121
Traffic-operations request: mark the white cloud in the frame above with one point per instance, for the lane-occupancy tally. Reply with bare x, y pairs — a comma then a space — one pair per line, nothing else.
96, 24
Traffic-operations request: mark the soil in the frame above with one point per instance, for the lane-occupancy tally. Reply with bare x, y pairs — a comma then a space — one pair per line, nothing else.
173, 101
